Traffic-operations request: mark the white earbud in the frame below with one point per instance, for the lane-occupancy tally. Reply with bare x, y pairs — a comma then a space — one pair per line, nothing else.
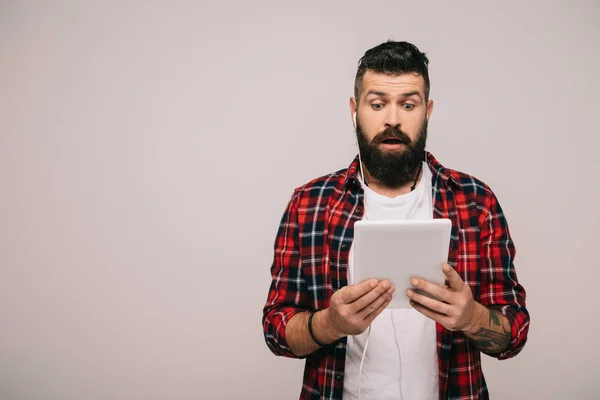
354, 119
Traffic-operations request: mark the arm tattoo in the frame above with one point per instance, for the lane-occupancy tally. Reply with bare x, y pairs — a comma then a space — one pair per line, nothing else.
494, 317
490, 340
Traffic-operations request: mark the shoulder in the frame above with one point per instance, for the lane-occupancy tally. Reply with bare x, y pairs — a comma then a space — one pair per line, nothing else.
468, 193
320, 190
459, 182
471, 185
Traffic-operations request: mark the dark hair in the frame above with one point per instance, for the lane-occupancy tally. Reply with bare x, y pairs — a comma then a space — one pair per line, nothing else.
392, 58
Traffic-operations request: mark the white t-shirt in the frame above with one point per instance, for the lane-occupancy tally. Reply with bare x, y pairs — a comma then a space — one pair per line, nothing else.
403, 358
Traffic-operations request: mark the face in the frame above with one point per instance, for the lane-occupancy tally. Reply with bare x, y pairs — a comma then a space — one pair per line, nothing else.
392, 125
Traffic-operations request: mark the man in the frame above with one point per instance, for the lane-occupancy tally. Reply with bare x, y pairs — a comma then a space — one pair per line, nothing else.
433, 349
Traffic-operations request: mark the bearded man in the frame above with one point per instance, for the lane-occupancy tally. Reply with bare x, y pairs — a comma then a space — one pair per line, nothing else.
432, 350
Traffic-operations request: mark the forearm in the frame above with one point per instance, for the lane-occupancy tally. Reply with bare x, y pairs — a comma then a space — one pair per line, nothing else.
490, 332
298, 337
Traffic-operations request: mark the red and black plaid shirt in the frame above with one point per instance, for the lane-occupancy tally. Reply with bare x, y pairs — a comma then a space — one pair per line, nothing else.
311, 262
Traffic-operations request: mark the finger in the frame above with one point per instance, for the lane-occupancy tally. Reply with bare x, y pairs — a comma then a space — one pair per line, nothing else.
432, 304
454, 279
371, 296
437, 317
353, 292
369, 318
375, 304
435, 290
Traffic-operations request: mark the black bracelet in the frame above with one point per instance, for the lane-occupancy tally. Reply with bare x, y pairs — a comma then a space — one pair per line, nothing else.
310, 330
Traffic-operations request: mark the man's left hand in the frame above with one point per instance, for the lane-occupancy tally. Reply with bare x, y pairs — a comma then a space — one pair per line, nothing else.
455, 308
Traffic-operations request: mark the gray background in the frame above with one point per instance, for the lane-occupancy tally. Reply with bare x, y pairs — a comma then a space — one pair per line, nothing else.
147, 151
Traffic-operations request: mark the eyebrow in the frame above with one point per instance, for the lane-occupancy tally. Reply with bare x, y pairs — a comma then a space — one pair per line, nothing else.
384, 94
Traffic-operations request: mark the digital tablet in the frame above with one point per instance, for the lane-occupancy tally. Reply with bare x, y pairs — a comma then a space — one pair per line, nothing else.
400, 250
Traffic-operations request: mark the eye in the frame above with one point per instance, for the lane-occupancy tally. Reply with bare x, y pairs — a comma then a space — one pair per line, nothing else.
377, 106
408, 106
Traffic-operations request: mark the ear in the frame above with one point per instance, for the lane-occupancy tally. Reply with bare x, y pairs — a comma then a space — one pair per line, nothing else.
429, 109
353, 109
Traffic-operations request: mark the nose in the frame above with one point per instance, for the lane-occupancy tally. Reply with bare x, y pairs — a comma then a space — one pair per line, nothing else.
392, 117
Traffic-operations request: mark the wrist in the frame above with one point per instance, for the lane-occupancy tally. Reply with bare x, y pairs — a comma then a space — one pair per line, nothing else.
480, 316
324, 329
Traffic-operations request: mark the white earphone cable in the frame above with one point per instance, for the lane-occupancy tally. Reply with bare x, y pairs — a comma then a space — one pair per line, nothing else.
362, 362
399, 354
358, 147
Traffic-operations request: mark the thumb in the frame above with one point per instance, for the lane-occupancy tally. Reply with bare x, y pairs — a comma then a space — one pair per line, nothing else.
454, 280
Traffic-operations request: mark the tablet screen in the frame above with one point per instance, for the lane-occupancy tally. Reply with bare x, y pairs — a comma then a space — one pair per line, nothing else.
400, 250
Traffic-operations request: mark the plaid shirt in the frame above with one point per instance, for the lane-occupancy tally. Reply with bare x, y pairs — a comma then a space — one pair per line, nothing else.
311, 259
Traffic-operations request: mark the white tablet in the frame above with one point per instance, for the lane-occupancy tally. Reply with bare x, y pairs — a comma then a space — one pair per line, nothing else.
400, 250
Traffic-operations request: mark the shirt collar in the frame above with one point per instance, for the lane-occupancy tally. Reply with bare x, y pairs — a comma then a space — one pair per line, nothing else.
437, 169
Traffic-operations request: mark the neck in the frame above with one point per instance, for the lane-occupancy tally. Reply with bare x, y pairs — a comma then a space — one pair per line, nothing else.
392, 191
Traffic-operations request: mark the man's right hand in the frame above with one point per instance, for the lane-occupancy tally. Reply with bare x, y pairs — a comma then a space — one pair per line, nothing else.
353, 308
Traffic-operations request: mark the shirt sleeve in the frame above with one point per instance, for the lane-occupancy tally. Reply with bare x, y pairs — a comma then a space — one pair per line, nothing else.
500, 288
287, 293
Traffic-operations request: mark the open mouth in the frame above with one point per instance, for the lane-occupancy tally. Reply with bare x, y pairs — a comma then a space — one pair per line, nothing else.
392, 141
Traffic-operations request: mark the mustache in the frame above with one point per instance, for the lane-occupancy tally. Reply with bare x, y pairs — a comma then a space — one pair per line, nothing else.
392, 133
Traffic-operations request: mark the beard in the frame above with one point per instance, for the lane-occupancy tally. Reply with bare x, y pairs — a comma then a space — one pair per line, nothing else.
393, 168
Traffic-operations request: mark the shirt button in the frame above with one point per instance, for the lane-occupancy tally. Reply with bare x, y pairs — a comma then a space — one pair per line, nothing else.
340, 345
357, 211
344, 246
338, 376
